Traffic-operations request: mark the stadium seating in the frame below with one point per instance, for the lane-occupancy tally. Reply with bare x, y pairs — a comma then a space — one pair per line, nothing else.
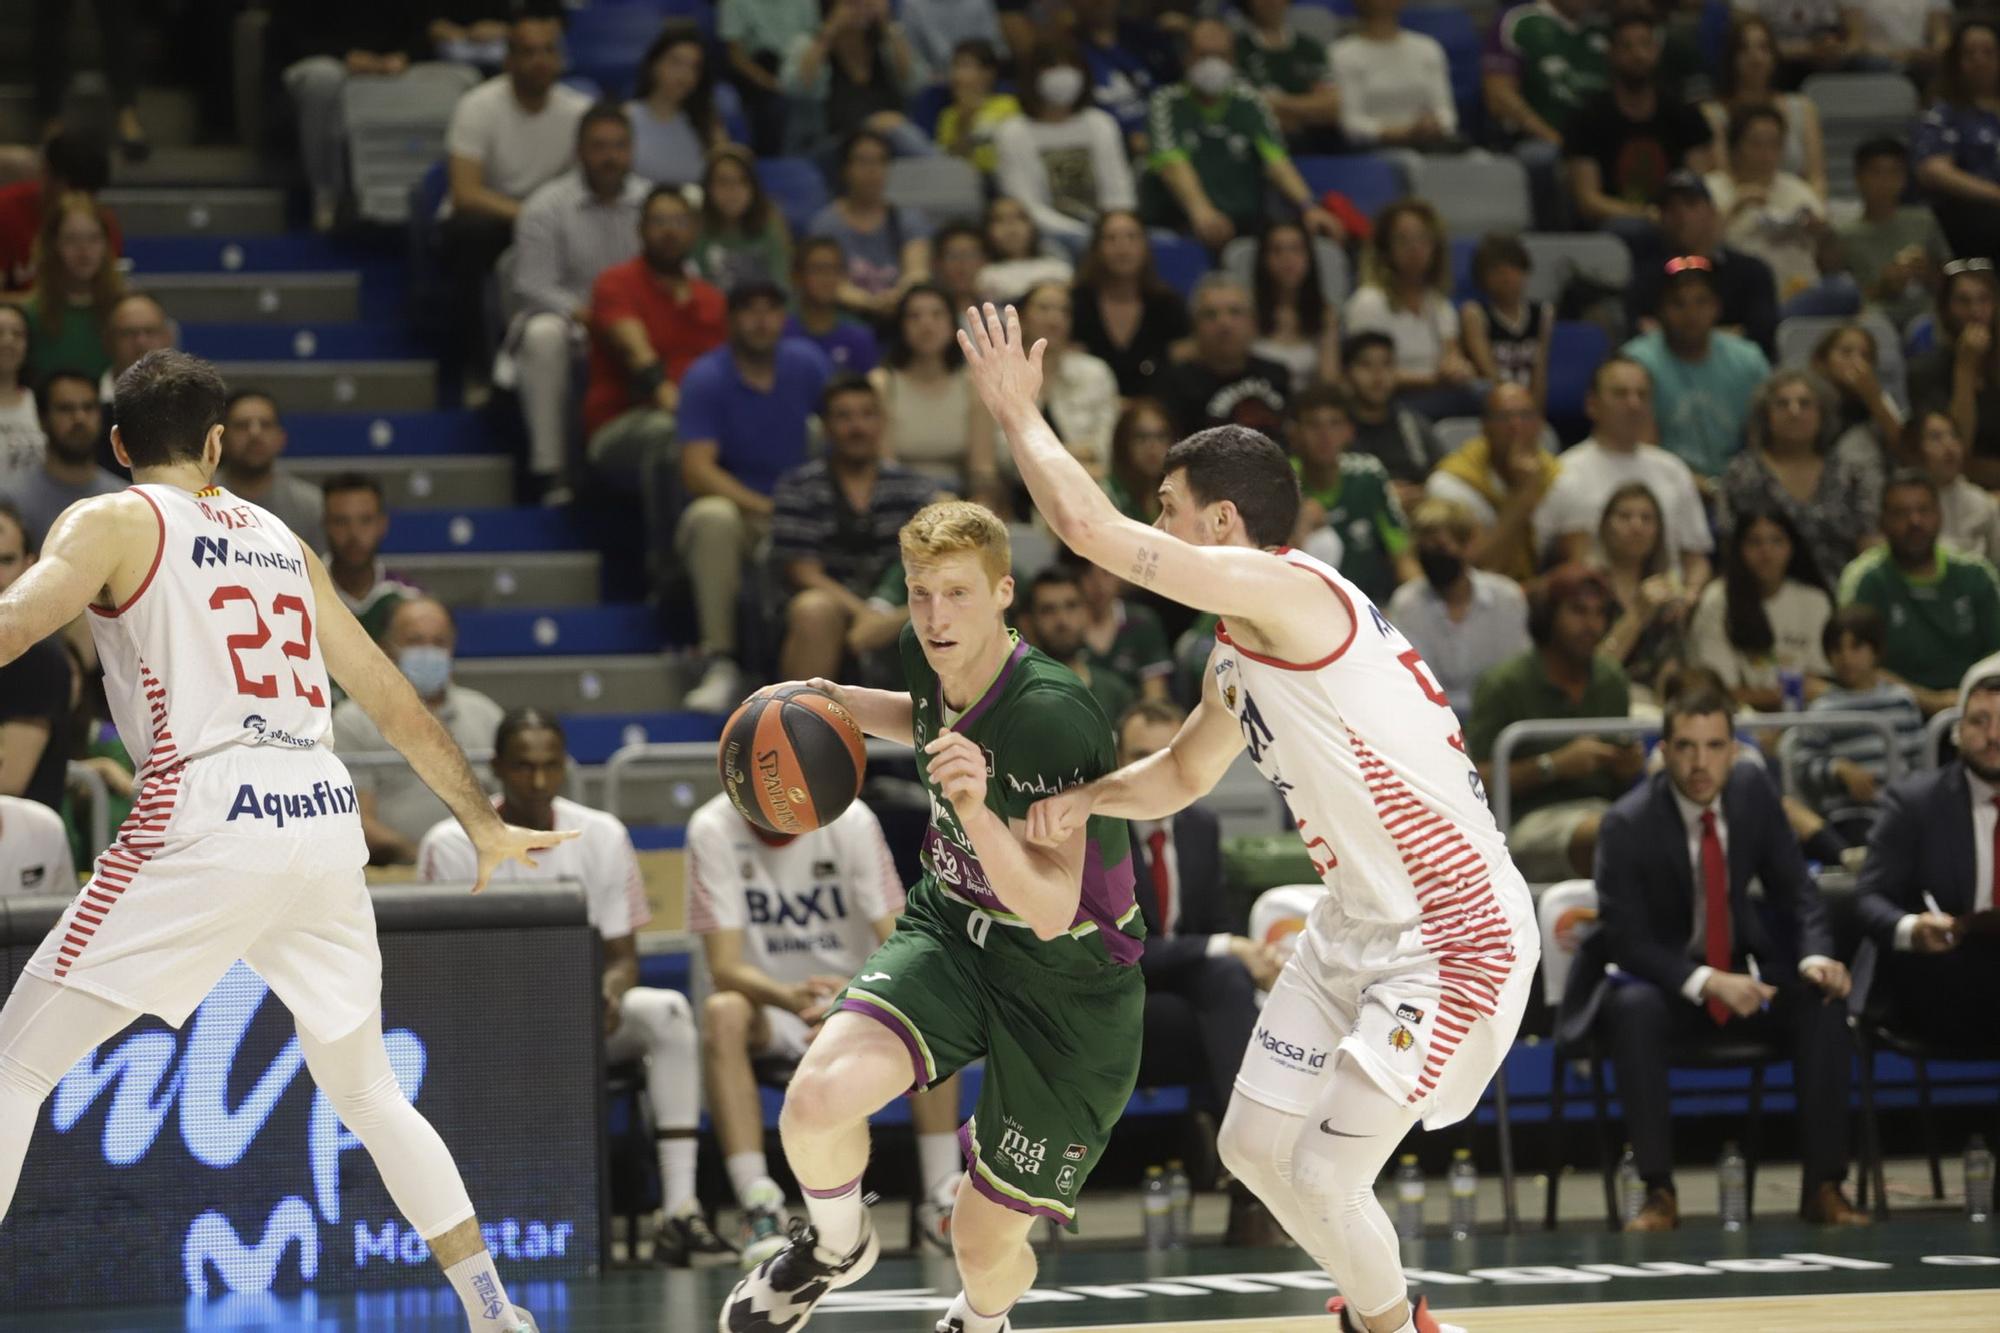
1474, 193
395, 131
796, 186
1854, 107
943, 187
1371, 183
1239, 259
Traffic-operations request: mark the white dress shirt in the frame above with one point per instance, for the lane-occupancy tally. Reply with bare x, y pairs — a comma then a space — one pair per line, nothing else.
1983, 816
1691, 814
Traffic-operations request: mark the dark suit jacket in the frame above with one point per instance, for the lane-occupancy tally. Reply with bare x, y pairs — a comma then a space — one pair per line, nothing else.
1197, 849
1922, 842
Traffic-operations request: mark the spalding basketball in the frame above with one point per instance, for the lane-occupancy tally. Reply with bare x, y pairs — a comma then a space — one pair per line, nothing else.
791, 759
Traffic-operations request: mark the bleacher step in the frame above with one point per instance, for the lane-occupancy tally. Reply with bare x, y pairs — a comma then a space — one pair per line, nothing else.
425, 481
297, 252
371, 434
251, 298
474, 529
330, 386
552, 579
637, 683
161, 211
514, 632
353, 340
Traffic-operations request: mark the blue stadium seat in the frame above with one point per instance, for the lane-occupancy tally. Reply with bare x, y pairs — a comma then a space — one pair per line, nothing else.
795, 186
1453, 29
1462, 248
290, 252
1575, 352
364, 435
729, 107
1371, 182
629, 628
466, 530
926, 104
595, 737
1182, 260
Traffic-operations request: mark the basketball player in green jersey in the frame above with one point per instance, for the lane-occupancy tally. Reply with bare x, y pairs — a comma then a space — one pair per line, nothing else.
1024, 955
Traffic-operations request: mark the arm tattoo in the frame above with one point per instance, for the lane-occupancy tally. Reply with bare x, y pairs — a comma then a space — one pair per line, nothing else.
1145, 565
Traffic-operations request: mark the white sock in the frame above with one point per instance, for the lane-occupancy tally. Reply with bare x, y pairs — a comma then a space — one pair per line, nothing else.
677, 1154
939, 1163
477, 1283
975, 1322
747, 1170
838, 1216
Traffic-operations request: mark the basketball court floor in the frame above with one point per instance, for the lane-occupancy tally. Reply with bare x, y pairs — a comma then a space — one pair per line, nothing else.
1938, 1273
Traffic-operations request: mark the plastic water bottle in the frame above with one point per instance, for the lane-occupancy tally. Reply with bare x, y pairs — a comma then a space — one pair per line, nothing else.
1409, 1197
1158, 1209
1792, 686
1180, 1198
1464, 1180
1978, 1179
1631, 1189
1732, 1181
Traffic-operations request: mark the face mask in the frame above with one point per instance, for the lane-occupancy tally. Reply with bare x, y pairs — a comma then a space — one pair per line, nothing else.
1060, 86
1441, 568
1211, 75
427, 669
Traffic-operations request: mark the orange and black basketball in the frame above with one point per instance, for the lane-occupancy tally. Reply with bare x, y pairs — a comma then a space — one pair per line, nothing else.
791, 759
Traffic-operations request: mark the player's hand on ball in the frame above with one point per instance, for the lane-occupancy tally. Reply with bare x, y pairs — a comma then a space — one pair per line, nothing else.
497, 844
958, 767
837, 693
1004, 370
1054, 819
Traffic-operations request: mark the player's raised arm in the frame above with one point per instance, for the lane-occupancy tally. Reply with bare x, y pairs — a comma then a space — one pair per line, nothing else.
82, 552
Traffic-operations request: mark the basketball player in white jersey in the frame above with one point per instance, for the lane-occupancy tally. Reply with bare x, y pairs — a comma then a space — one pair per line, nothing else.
1408, 984
218, 631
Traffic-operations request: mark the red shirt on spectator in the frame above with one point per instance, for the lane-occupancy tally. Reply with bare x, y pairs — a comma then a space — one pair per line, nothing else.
679, 331
21, 222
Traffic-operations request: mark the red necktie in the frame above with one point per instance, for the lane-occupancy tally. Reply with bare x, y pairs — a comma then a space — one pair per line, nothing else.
1163, 882
1715, 900
1994, 901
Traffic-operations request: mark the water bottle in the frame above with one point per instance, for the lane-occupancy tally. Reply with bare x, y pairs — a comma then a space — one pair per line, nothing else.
1631, 1189
1158, 1210
1464, 1195
1792, 686
1978, 1179
1732, 1180
1180, 1197
1409, 1197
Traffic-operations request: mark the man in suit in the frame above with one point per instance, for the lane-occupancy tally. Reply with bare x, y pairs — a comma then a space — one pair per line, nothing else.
1202, 978
1932, 860
1675, 857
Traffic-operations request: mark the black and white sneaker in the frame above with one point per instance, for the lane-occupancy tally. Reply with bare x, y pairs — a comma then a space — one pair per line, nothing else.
779, 1295
685, 1239
956, 1325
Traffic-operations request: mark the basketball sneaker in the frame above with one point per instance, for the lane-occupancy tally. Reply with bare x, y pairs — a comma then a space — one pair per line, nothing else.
957, 1325
685, 1238
933, 1225
780, 1294
763, 1224
1421, 1318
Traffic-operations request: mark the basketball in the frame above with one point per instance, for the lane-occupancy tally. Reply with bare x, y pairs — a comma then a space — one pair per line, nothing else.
791, 759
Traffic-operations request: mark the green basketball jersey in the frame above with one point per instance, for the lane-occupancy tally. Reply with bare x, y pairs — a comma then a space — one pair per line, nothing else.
1041, 733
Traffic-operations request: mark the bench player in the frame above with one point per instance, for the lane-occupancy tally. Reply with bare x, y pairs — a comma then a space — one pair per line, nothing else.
218, 630
1025, 955
1408, 984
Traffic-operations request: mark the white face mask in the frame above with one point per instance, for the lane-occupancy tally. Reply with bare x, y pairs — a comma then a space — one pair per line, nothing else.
1060, 86
1211, 75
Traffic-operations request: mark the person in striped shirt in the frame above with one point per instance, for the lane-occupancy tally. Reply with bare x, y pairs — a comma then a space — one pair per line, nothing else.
1842, 769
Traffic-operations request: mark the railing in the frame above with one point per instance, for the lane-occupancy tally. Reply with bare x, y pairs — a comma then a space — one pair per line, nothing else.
367, 760
700, 755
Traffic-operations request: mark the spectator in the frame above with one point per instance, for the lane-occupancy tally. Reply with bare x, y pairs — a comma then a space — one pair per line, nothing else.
1811, 36
1893, 250
1956, 147
1763, 619
937, 425
1622, 146
1128, 61
1056, 616
757, 38
356, 523
834, 523
72, 163
1079, 393
1215, 148
1866, 416
1776, 217
1560, 789
318, 48
958, 256
1384, 429
1970, 514
1690, 225
855, 73
887, 245
674, 121
1462, 619
35, 688
969, 125
1292, 71
76, 284
1543, 60
397, 809
1649, 608
1405, 292
649, 321
1702, 377
1748, 80
1620, 407
1395, 86
1499, 478
1942, 606
1064, 160
117, 35
1844, 769
654, 1027
1830, 493
743, 235
1928, 869
1683, 925
1295, 326
509, 135
22, 443
1223, 381
1139, 444
1121, 636
742, 427
1506, 335
1126, 315
253, 439
1348, 492
134, 325
1910, 37
818, 269
570, 230
1961, 375
72, 421
1016, 257
34, 850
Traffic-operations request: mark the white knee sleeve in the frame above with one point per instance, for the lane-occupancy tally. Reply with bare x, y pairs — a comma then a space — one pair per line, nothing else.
663, 1021
1339, 1151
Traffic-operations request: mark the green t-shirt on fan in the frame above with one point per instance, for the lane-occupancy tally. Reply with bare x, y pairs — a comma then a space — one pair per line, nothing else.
1939, 624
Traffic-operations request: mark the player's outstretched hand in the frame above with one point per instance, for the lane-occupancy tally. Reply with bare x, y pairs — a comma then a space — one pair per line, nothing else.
497, 844
1054, 819
958, 767
1007, 373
